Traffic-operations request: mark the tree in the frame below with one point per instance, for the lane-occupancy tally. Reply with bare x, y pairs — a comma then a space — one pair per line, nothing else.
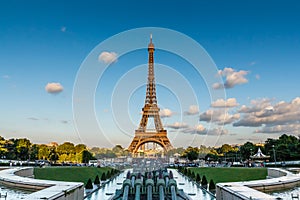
118, 150
211, 157
193, 175
203, 151
89, 184
211, 186
63, 158
247, 149
188, 172
100, 153
225, 148
110, 154
80, 147
103, 176
191, 153
86, 156
173, 151
66, 148
3, 149
34, 152
185, 171
286, 148
43, 152
11, 147
53, 156
112, 172
97, 180
180, 169
204, 182
108, 174
22, 148
116, 171
198, 179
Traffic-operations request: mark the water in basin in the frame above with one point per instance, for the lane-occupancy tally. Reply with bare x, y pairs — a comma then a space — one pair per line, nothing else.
13, 193
189, 188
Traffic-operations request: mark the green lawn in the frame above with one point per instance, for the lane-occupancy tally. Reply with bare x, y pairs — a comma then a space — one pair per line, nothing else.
231, 174
73, 174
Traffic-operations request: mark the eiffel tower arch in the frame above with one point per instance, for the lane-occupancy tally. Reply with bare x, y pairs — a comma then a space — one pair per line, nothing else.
158, 135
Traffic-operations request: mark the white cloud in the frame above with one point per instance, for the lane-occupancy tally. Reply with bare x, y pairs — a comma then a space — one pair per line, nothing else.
108, 57
218, 86
281, 116
165, 113
233, 78
54, 88
63, 29
257, 76
221, 103
177, 125
201, 130
33, 118
287, 129
256, 105
217, 131
198, 129
295, 101
193, 110
220, 117
6, 76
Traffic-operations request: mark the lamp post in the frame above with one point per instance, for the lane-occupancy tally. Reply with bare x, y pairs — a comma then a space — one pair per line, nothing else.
274, 154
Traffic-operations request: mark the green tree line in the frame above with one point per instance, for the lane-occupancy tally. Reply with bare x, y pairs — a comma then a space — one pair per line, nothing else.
24, 149
285, 148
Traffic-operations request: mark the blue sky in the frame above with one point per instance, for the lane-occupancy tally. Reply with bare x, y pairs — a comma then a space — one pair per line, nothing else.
255, 45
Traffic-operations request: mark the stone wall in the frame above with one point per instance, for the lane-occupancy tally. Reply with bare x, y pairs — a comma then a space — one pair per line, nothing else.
25, 172
51, 190
275, 173
255, 189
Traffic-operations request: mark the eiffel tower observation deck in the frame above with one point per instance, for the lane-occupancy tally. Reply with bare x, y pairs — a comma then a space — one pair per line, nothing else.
158, 135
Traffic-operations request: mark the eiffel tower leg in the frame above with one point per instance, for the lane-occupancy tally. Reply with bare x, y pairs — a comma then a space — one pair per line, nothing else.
157, 121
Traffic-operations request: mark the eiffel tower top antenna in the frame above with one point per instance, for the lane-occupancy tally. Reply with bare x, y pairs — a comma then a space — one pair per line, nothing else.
151, 90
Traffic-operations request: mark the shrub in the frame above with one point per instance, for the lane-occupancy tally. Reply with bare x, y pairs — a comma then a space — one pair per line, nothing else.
188, 172
180, 169
193, 175
103, 176
108, 175
212, 185
204, 182
198, 178
97, 180
185, 171
89, 184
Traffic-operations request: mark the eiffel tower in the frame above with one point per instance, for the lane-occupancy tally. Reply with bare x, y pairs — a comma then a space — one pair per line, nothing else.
150, 110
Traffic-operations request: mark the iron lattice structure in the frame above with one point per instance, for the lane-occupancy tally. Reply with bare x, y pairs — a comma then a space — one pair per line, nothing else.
150, 110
